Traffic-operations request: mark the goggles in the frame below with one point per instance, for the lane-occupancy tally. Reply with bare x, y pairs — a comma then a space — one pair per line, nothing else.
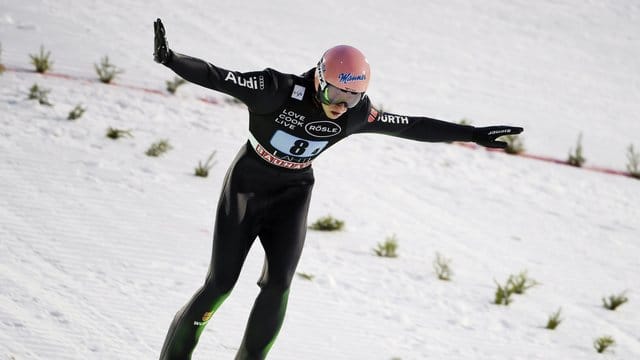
332, 95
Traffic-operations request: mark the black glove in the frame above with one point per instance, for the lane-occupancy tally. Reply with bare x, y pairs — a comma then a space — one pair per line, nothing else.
486, 136
160, 48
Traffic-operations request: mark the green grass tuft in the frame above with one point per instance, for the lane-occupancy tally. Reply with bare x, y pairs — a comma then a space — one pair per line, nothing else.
602, 343
113, 133
388, 248
327, 223
554, 320
515, 144
633, 162
614, 301
575, 158
173, 85
41, 60
306, 276
158, 148
76, 113
202, 170
442, 268
107, 71
36, 93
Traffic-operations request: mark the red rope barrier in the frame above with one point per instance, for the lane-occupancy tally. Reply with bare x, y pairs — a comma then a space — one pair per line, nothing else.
214, 101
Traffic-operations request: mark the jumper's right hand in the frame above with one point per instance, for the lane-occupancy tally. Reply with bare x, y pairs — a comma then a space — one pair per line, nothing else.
160, 47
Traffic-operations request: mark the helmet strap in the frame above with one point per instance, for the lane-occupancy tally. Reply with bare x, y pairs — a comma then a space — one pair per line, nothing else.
320, 68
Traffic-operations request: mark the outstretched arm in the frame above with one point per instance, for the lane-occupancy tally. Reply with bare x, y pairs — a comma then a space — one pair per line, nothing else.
433, 130
257, 89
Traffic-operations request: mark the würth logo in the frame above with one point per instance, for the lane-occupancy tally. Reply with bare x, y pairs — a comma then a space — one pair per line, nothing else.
393, 119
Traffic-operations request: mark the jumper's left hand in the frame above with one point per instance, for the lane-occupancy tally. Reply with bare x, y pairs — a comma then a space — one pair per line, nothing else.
486, 136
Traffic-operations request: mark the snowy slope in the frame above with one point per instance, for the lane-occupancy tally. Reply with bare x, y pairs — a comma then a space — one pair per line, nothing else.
100, 244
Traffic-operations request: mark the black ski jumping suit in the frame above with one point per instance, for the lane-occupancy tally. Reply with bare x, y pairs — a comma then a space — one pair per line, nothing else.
267, 190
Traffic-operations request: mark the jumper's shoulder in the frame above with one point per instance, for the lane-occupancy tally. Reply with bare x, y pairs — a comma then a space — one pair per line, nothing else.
270, 91
285, 85
361, 115
279, 80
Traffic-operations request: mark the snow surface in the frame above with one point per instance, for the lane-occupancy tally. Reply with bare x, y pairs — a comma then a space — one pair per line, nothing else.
100, 245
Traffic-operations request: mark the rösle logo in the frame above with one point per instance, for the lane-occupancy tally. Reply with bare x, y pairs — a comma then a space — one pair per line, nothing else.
323, 128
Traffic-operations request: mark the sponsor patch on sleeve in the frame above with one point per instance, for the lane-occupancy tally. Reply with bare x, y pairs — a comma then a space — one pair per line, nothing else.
298, 92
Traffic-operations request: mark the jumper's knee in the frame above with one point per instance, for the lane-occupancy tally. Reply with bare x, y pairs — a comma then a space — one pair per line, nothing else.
275, 280
220, 284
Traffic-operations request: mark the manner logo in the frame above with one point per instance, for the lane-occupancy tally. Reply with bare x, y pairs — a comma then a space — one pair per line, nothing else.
346, 78
323, 128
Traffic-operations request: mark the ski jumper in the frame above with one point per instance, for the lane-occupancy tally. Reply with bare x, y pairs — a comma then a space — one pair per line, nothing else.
267, 190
